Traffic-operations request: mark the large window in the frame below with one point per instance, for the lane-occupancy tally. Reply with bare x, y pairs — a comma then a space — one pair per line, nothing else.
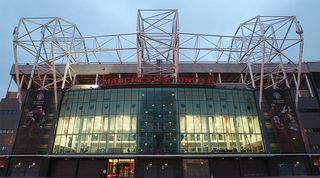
158, 121
216, 120
97, 121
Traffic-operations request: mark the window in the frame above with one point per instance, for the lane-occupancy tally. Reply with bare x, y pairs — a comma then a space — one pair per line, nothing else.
6, 131
310, 130
314, 147
158, 120
3, 147
8, 112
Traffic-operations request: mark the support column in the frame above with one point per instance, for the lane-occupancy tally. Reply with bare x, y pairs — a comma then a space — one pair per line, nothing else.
65, 72
273, 84
308, 84
53, 68
44, 81
262, 62
251, 75
74, 79
16, 67
300, 32
242, 79
296, 83
96, 80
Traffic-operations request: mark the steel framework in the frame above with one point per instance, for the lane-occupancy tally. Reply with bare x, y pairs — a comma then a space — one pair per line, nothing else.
158, 42
269, 47
48, 41
270, 39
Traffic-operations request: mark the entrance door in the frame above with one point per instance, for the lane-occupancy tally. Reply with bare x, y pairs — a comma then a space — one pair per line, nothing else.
158, 168
158, 171
120, 168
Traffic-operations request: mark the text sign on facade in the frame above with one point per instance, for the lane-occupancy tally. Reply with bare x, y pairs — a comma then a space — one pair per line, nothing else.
207, 81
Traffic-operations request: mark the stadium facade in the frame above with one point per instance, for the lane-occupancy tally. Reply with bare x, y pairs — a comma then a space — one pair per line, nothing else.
160, 103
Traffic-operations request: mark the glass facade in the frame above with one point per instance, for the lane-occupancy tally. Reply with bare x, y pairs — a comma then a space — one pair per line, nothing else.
158, 121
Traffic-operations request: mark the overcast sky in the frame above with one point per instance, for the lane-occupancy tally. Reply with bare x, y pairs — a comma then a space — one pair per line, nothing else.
98, 17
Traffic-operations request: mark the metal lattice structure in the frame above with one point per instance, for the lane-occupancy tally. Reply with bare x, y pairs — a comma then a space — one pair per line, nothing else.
48, 41
158, 43
268, 47
275, 40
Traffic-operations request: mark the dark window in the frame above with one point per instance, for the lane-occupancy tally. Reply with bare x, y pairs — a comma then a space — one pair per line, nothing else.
8, 112
6, 131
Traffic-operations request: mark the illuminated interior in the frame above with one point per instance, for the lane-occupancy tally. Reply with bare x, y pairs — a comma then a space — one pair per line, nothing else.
123, 168
158, 120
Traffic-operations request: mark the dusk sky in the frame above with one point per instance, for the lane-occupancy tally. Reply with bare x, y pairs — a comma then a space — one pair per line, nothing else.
100, 17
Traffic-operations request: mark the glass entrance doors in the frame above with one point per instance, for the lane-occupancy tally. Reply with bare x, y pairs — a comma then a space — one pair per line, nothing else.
120, 168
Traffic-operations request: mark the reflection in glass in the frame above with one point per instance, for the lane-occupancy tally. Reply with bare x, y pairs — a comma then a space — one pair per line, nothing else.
158, 121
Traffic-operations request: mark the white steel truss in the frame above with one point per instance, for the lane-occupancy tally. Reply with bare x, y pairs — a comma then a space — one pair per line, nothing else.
48, 41
275, 40
158, 42
270, 48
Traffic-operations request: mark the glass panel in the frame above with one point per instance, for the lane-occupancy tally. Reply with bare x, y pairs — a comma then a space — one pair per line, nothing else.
182, 124
158, 120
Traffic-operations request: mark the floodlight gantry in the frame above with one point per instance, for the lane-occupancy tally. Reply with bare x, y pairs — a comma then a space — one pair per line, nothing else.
269, 47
